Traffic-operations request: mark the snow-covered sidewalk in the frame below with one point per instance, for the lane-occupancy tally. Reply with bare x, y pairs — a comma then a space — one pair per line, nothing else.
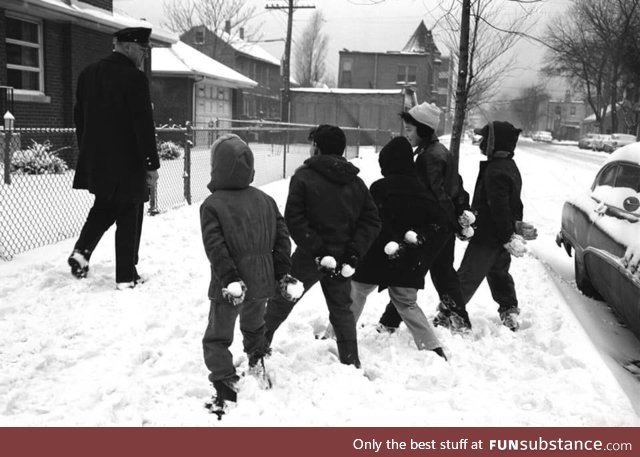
81, 353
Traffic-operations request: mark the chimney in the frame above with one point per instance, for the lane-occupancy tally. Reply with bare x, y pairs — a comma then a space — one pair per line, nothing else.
242, 33
227, 26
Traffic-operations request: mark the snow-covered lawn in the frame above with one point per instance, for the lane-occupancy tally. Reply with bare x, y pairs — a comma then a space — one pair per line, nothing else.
81, 353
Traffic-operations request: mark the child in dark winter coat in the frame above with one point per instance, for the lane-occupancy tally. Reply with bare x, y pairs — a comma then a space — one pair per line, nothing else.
248, 246
496, 200
333, 221
436, 168
407, 245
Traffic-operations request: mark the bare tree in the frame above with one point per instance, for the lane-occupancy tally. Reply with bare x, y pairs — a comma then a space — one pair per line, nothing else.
182, 15
588, 46
482, 52
311, 52
526, 106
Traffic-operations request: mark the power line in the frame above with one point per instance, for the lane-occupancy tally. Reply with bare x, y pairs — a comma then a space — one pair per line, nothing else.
286, 64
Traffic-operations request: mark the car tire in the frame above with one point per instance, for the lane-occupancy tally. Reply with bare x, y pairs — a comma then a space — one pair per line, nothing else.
582, 279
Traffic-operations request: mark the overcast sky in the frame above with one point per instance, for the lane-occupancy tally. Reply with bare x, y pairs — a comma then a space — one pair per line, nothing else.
366, 25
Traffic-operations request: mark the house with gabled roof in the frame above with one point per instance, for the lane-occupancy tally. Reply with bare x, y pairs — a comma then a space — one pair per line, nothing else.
419, 65
189, 86
249, 59
46, 44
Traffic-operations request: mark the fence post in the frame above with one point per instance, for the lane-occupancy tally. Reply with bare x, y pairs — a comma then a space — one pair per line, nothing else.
284, 154
188, 135
358, 143
8, 137
153, 195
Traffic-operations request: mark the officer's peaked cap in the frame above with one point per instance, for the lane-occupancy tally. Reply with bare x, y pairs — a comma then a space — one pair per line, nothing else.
138, 35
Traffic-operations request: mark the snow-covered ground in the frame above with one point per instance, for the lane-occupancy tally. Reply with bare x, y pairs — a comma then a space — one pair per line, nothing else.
81, 353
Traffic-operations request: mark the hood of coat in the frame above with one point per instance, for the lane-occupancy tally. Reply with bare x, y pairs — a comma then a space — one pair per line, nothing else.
396, 158
499, 139
231, 164
333, 167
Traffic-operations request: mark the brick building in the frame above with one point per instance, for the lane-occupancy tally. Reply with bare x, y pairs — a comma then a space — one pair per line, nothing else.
249, 59
44, 47
419, 65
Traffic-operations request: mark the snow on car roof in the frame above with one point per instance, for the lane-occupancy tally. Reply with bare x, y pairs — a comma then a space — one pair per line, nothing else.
629, 153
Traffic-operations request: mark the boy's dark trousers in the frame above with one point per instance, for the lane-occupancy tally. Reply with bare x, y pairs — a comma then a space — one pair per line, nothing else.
492, 262
443, 275
337, 293
128, 219
219, 334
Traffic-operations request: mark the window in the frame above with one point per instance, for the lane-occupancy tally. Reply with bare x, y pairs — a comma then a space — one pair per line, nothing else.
346, 73
572, 110
24, 54
607, 177
406, 74
199, 36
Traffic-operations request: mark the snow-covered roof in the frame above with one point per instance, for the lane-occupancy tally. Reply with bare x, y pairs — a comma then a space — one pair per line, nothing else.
183, 60
83, 12
629, 153
251, 49
325, 90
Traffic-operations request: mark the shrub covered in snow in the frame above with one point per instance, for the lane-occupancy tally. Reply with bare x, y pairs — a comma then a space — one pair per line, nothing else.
38, 159
168, 150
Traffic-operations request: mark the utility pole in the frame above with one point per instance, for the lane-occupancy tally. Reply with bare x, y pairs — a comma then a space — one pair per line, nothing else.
286, 63
462, 89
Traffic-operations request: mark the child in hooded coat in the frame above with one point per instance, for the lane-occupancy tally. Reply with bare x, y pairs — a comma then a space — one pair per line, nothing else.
248, 246
404, 206
496, 200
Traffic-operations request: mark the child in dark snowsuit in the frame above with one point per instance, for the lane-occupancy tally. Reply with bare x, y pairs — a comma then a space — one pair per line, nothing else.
409, 219
496, 200
333, 221
248, 246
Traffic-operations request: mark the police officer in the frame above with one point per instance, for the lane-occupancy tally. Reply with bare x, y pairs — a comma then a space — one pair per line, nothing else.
118, 159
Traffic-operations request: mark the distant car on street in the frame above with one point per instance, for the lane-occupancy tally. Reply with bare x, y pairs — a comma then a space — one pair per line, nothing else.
598, 142
618, 140
586, 142
542, 135
603, 225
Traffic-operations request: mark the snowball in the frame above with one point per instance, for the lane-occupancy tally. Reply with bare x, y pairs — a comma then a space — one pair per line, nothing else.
328, 262
235, 289
347, 270
467, 217
295, 290
391, 248
411, 237
467, 232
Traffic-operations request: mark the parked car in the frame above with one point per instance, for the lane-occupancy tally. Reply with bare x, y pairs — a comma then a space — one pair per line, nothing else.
586, 142
618, 140
542, 135
600, 226
598, 142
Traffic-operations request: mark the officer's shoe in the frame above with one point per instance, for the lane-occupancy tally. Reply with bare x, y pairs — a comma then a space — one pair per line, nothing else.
79, 264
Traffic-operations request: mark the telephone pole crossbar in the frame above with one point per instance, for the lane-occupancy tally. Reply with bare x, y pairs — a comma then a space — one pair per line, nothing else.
286, 66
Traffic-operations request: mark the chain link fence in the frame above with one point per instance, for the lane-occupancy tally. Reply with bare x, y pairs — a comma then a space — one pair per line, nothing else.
38, 205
